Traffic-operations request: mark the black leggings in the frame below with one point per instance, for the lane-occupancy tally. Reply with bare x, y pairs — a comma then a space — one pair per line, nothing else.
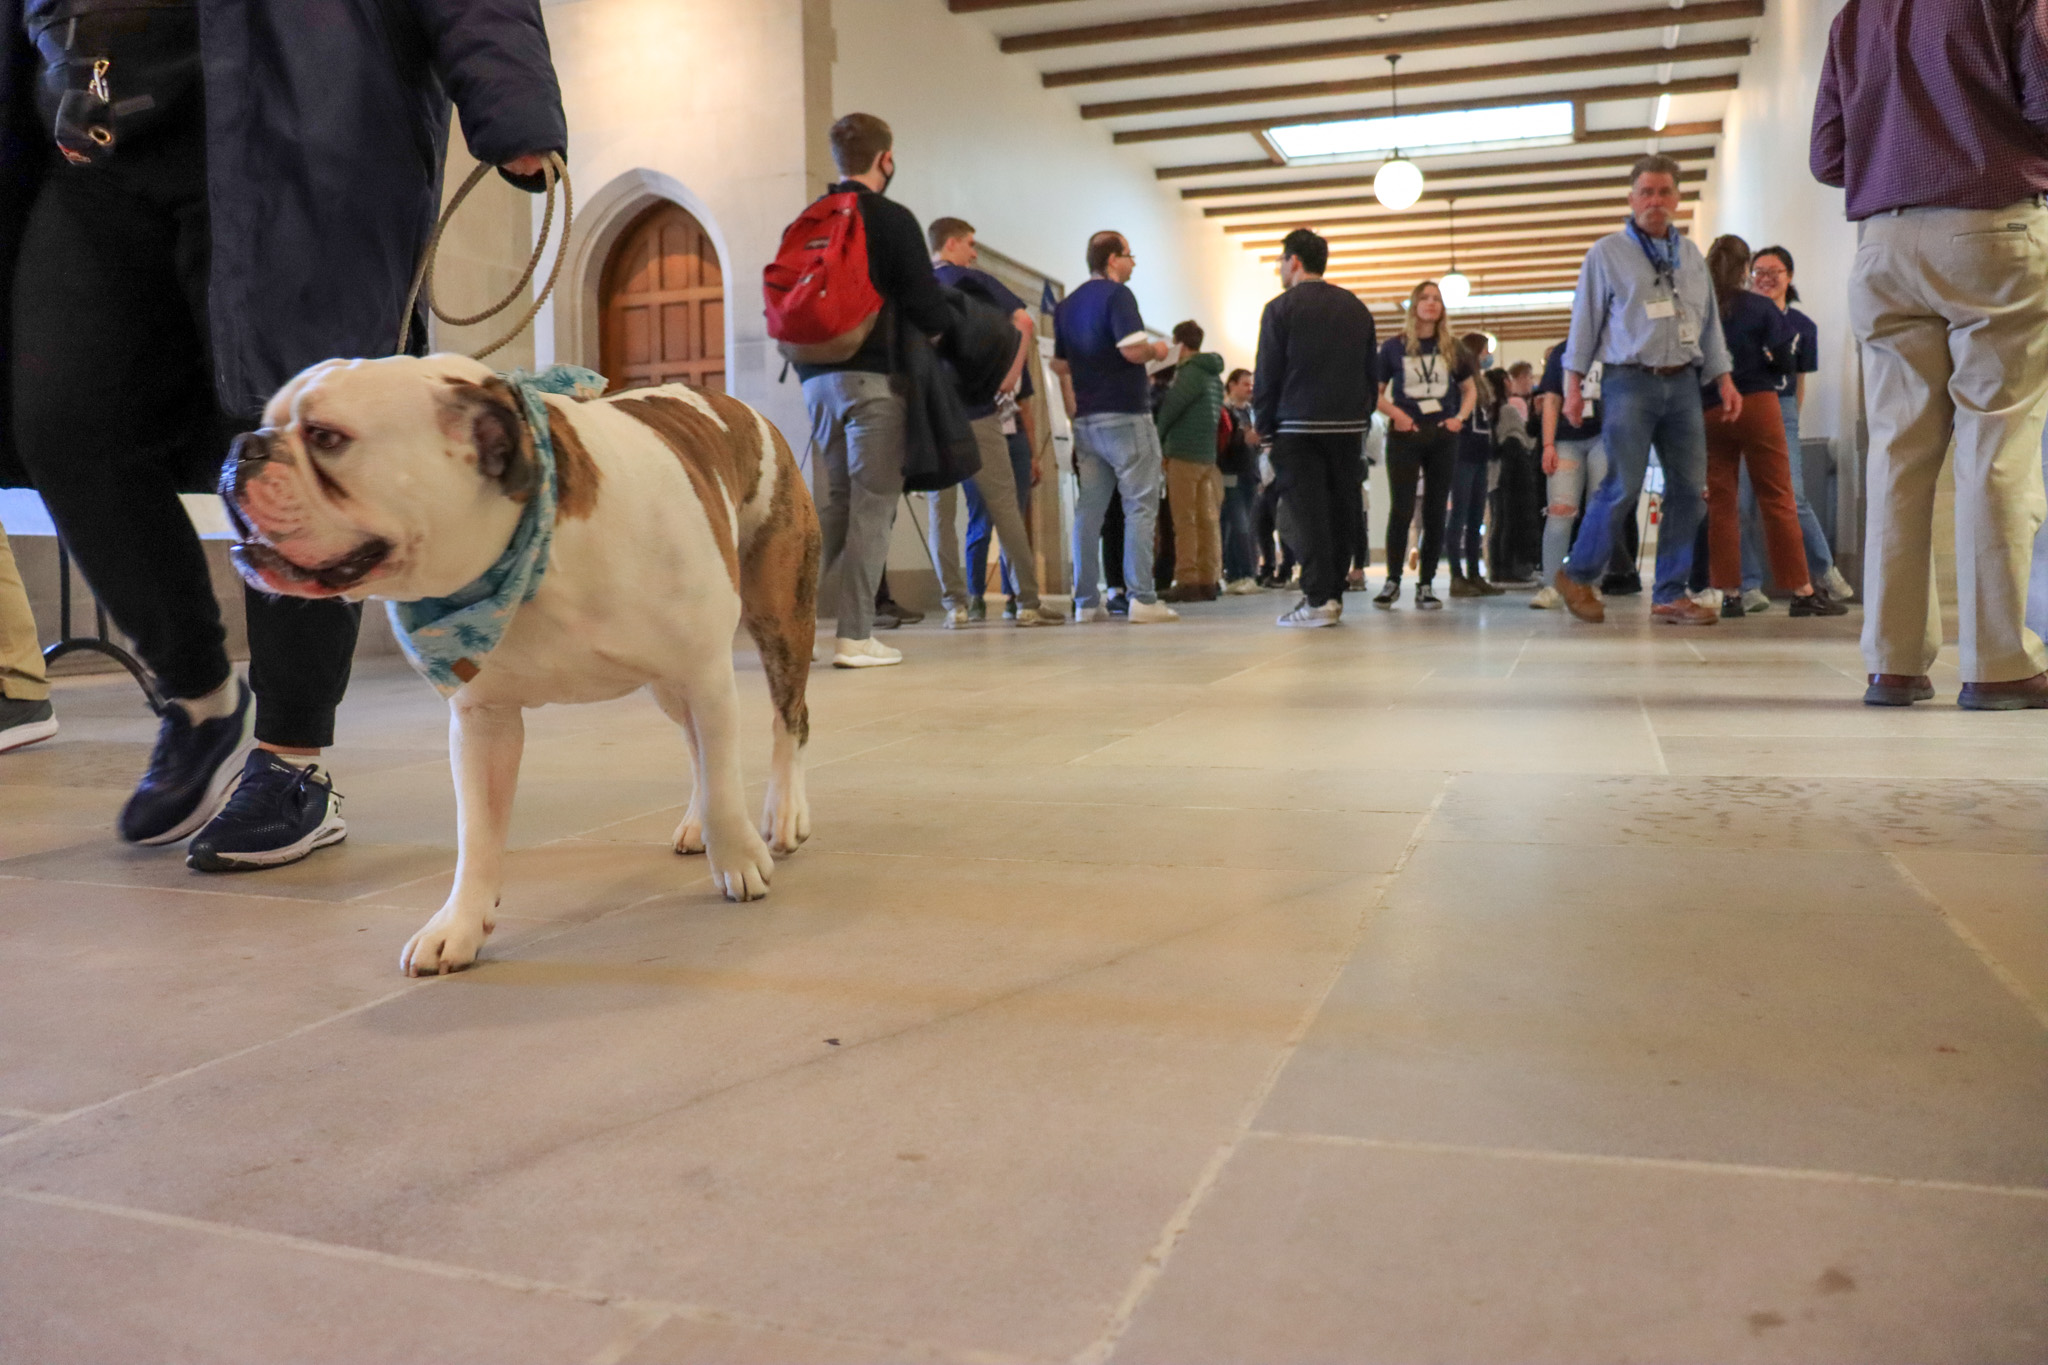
115, 414
1428, 454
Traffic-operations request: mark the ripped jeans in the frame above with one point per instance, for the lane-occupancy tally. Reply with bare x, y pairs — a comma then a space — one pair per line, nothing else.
1580, 465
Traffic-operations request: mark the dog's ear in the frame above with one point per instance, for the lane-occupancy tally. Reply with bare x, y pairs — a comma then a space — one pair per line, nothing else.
486, 417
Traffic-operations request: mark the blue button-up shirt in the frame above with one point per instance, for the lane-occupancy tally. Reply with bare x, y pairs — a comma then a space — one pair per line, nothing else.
1610, 313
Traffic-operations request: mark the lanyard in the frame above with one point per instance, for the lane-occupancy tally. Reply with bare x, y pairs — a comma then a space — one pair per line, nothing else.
1665, 265
1427, 364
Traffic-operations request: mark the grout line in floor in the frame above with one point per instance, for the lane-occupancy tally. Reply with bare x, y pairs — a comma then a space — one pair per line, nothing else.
1153, 1268
1121, 739
643, 1308
2006, 977
1656, 743
1654, 1163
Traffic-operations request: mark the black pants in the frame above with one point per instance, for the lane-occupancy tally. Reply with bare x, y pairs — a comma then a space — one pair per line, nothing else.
1274, 563
1468, 516
1318, 476
115, 413
1427, 455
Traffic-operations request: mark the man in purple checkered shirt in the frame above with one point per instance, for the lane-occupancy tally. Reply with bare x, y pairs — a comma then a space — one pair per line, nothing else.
1933, 114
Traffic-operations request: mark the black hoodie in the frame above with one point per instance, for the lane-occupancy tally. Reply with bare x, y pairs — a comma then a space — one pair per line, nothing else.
1317, 367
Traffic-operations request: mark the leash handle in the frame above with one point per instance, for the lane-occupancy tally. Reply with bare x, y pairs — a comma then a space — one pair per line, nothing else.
555, 170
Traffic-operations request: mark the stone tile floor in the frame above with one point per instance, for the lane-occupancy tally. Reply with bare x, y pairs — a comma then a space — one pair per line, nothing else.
1478, 987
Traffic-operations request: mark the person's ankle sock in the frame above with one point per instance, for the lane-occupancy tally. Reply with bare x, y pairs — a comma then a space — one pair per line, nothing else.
218, 704
296, 760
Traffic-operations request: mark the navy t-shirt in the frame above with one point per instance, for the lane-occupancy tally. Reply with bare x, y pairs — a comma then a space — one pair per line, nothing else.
1589, 389
1760, 341
1806, 350
1425, 386
995, 291
1087, 329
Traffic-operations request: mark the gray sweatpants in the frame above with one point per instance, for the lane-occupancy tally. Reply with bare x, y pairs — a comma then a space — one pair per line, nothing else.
999, 494
857, 440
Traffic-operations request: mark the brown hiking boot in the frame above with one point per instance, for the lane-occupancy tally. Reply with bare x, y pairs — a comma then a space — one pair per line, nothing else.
1580, 599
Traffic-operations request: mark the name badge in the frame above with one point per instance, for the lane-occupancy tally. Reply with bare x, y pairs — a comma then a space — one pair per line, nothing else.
1688, 332
1592, 410
1429, 407
1661, 310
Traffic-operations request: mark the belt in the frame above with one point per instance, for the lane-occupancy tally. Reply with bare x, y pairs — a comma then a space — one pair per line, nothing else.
1661, 371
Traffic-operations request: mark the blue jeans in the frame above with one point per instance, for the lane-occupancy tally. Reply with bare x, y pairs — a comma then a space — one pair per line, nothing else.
1240, 555
981, 530
1819, 559
1116, 453
1644, 410
1468, 515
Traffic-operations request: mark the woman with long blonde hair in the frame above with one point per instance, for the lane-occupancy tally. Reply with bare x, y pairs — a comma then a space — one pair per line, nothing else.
1427, 391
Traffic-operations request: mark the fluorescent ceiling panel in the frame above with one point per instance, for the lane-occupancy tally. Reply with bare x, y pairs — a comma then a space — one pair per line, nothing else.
1454, 131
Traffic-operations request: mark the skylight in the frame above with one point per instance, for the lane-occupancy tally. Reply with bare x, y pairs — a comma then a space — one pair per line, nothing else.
1453, 131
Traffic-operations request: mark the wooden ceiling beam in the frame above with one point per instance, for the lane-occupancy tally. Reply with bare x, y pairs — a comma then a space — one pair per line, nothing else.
1429, 234
1642, 90
1226, 58
1710, 128
1214, 21
1606, 183
1478, 258
1734, 50
1436, 177
1477, 219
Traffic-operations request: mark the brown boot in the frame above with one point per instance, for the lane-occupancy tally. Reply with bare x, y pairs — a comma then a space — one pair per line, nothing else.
1897, 689
2027, 694
1685, 612
1580, 599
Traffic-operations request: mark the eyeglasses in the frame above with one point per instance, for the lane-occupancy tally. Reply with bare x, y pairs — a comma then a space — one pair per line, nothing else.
1765, 272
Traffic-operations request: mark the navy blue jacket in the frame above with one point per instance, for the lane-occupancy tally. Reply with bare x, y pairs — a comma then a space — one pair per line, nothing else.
326, 127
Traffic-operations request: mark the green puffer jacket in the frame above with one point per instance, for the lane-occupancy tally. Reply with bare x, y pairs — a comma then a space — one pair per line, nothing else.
1192, 410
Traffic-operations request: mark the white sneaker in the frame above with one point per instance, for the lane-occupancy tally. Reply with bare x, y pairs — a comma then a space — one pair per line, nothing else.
955, 618
1834, 585
1084, 615
1710, 598
1152, 613
1040, 616
1241, 587
1546, 599
865, 654
1306, 617
1755, 600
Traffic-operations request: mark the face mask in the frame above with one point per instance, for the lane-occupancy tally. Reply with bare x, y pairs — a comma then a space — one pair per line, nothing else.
889, 176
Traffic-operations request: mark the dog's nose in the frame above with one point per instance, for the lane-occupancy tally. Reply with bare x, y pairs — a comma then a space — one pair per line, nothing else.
249, 451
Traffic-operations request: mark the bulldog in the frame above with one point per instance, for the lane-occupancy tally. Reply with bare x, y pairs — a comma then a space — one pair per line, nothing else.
678, 515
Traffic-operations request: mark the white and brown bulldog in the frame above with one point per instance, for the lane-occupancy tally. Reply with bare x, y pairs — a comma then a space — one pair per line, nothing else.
679, 514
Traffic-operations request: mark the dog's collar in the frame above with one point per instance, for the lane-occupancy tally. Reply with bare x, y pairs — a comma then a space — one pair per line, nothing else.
447, 638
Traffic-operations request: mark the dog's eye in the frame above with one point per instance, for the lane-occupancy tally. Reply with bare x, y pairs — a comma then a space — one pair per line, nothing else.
325, 440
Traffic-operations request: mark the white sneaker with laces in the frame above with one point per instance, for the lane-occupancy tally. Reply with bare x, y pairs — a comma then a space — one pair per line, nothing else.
1040, 616
1152, 613
1756, 600
1710, 598
1241, 587
1306, 617
865, 654
1084, 615
1834, 585
1546, 599
955, 618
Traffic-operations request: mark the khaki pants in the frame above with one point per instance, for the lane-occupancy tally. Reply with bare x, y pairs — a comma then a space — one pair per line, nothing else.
21, 652
1195, 493
1950, 307
999, 495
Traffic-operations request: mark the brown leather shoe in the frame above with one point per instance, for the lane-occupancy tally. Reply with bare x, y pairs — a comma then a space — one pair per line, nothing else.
1580, 599
1898, 689
1685, 612
2027, 694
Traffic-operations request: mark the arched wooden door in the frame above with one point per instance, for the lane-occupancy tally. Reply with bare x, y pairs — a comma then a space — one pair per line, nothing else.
663, 297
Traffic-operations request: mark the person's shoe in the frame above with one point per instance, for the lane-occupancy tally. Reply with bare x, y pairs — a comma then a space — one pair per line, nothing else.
1009, 608
1546, 599
189, 772
886, 620
1627, 584
977, 609
1152, 614
1755, 600
1306, 617
864, 654
1462, 586
1182, 592
1085, 615
1355, 580
896, 614
1834, 585
1240, 587
1119, 604
1685, 612
1818, 603
23, 723
1389, 593
2028, 694
1040, 616
1426, 598
954, 619
1579, 598
277, 814
1211, 592
1731, 609
1898, 689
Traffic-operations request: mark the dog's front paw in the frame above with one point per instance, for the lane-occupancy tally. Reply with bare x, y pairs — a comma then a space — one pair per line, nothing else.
786, 821
741, 865
448, 942
690, 833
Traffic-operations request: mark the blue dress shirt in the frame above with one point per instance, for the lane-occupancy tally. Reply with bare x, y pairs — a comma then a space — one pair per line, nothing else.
1611, 319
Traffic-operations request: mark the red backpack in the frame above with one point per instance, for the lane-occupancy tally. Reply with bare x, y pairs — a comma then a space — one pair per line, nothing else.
822, 303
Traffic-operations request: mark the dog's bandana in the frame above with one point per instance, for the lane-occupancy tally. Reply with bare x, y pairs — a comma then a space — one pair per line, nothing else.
446, 638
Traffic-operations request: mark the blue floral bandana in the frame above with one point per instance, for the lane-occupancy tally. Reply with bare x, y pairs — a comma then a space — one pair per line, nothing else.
447, 638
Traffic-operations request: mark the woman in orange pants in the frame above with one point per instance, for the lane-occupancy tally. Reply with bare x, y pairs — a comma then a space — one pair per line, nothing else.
1760, 342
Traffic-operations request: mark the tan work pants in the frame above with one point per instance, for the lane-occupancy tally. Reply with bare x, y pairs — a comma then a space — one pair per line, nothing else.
21, 652
1950, 307
999, 495
1195, 493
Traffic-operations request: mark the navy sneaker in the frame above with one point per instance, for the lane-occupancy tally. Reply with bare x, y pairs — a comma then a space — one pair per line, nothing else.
189, 773
25, 722
279, 813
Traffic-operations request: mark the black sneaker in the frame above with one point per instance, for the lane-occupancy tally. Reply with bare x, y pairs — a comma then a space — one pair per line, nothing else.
279, 813
23, 723
1818, 603
890, 614
1388, 595
189, 772
1622, 584
1731, 608
1119, 604
1426, 598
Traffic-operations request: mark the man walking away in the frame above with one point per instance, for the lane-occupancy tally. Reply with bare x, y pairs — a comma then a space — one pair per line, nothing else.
1188, 423
1645, 311
1313, 396
857, 417
1100, 351
1934, 116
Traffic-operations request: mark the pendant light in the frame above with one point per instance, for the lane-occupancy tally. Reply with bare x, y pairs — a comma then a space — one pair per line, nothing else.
1456, 289
1398, 182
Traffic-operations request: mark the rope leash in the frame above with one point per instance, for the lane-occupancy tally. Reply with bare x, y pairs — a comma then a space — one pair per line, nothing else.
423, 279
